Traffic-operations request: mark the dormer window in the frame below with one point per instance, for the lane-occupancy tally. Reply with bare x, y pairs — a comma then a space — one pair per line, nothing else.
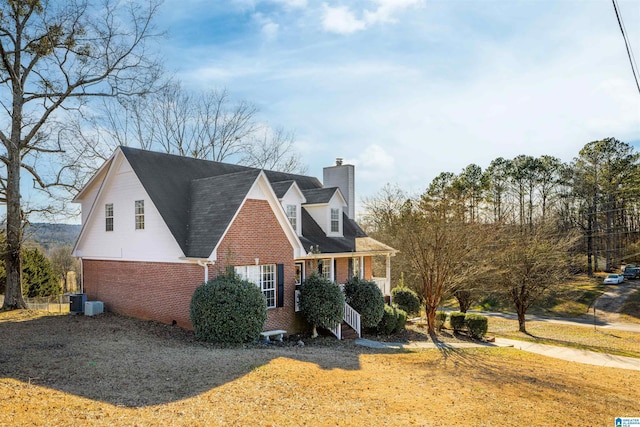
335, 220
292, 215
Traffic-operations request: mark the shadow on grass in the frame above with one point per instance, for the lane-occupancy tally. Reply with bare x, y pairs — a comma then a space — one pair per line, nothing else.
133, 363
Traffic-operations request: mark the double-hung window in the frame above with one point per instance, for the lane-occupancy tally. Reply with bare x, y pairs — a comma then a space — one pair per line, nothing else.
139, 206
324, 268
335, 220
108, 217
292, 215
264, 276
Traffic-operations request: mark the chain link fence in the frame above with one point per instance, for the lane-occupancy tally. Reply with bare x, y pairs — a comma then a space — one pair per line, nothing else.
55, 304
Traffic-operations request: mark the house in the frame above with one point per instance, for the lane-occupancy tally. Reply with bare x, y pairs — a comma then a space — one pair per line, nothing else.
156, 226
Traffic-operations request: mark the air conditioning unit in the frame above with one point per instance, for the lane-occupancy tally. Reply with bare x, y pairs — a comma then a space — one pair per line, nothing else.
76, 303
91, 308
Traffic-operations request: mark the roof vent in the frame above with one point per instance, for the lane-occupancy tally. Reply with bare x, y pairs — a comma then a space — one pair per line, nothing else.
339, 161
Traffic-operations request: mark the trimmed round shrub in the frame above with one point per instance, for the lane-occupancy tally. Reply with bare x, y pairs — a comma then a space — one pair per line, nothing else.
228, 309
441, 318
401, 319
388, 322
456, 320
321, 302
477, 325
406, 299
366, 298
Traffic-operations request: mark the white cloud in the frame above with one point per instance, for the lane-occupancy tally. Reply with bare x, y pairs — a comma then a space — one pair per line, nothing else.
268, 27
340, 20
387, 8
292, 3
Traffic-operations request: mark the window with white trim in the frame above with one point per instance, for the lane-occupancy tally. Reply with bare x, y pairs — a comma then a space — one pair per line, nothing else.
108, 217
292, 215
335, 220
264, 276
139, 214
324, 268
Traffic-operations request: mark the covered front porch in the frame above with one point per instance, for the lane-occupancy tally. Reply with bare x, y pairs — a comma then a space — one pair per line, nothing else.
340, 267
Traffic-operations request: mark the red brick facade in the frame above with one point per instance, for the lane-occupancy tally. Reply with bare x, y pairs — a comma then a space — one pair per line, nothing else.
162, 291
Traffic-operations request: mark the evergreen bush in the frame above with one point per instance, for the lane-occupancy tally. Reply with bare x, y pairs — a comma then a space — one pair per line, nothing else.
477, 325
38, 279
321, 303
456, 320
441, 318
228, 309
406, 299
388, 322
401, 320
366, 298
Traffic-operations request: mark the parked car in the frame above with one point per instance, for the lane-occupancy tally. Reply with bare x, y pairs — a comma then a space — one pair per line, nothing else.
631, 272
613, 279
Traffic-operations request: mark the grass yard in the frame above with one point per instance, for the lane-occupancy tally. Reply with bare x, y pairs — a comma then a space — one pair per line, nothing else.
111, 370
630, 311
582, 337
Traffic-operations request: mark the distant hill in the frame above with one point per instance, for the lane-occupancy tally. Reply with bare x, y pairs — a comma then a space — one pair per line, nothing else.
52, 235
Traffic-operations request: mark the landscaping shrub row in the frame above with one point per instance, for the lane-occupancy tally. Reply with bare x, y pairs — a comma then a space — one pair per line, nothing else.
475, 324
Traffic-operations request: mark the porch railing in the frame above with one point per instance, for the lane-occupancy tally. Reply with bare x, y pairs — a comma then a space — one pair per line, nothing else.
351, 318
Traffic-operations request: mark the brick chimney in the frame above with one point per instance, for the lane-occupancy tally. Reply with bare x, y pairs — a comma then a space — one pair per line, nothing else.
343, 177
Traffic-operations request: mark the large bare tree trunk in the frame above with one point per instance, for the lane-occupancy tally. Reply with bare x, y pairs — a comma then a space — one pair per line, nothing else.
13, 292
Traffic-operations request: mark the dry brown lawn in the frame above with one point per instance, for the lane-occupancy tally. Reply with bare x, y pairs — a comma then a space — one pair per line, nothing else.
583, 337
111, 370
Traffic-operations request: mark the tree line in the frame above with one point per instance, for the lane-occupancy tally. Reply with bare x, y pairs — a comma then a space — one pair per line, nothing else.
517, 227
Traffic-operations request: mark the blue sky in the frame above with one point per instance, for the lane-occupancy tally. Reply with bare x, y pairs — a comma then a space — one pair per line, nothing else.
406, 89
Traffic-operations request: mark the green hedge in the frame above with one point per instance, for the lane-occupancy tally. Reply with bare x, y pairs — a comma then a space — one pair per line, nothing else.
477, 325
228, 309
406, 299
441, 318
401, 320
366, 298
393, 320
456, 319
321, 302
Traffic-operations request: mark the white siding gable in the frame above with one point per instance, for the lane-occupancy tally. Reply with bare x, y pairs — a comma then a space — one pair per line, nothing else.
294, 197
122, 188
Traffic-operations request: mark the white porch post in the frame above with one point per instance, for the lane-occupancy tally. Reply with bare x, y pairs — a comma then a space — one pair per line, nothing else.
361, 273
387, 284
333, 270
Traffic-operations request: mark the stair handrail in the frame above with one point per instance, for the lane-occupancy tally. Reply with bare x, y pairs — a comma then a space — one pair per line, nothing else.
352, 318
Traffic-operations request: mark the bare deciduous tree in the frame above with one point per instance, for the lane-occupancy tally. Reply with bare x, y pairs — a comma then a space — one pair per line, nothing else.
209, 126
531, 263
54, 56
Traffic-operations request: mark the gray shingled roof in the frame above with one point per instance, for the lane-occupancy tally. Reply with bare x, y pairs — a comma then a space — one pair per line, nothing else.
281, 188
313, 235
319, 195
214, 202
197, 199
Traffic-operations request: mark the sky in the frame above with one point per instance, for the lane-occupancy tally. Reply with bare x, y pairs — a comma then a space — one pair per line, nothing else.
406, 89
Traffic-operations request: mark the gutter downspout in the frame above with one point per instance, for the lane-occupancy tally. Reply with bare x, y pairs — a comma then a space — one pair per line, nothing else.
205, 265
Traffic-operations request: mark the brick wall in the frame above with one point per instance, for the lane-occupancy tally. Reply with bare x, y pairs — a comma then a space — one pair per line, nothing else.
147, 290
342, 270
256, 233
162, 291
